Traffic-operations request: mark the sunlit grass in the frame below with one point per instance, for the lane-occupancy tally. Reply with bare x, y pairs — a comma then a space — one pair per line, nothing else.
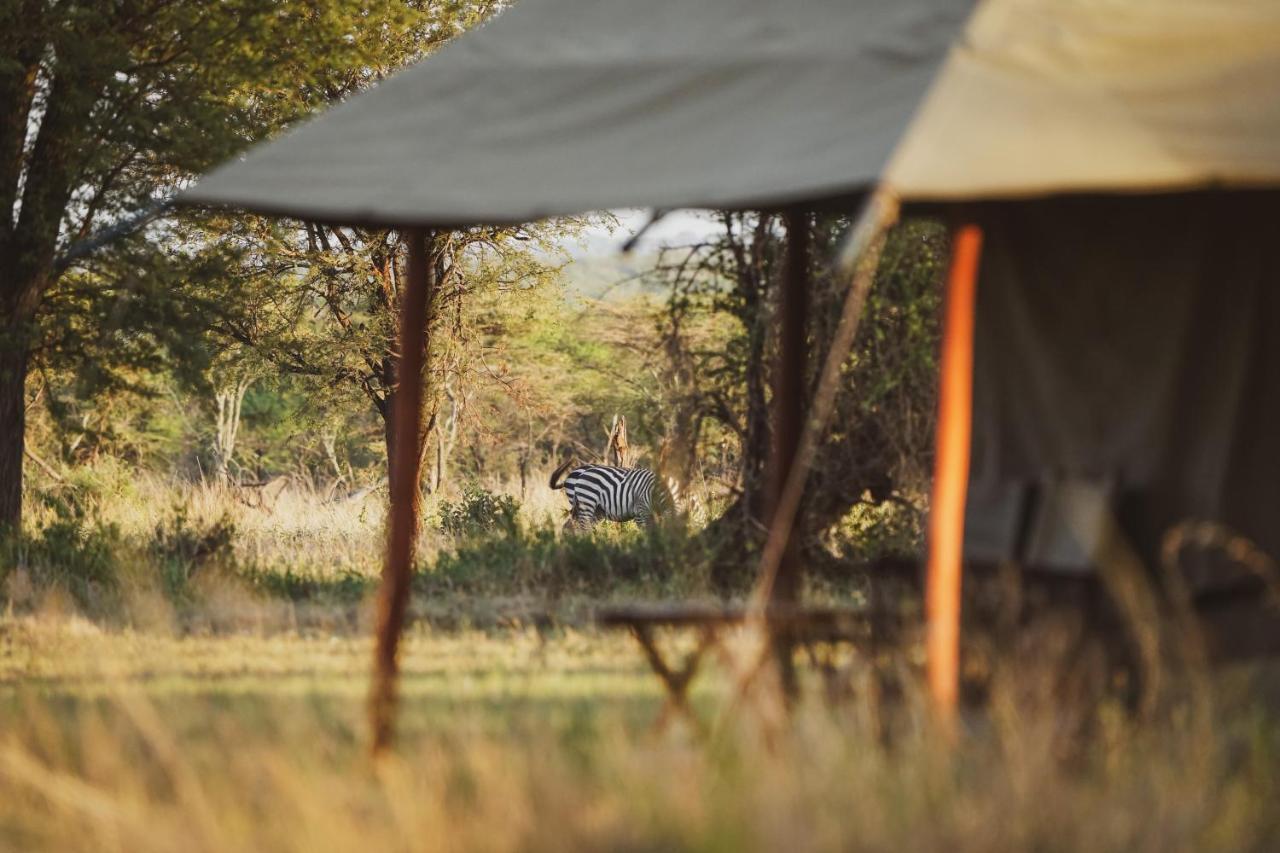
228, 712
517, 740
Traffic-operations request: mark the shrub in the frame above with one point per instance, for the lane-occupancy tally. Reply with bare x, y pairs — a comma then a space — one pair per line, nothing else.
873, 530
654, 562
180, 548
479, 512
72, 551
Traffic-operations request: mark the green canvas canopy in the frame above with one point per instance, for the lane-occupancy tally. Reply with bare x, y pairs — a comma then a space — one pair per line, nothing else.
563, 106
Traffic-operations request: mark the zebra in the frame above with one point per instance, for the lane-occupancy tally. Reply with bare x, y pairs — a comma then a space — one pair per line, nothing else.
615, 494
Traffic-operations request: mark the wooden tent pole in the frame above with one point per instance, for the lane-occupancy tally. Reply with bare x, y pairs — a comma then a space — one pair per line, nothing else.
788, 419
951, 474
402, 528
859, 260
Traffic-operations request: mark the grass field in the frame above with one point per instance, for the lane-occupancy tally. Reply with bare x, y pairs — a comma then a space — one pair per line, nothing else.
181, 672
520, 740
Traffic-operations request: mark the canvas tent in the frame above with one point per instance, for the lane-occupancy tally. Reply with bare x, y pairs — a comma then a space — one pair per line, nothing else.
1079, 139
1122, 162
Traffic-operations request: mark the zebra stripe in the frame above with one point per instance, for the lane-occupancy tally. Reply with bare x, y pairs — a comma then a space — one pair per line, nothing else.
615, 494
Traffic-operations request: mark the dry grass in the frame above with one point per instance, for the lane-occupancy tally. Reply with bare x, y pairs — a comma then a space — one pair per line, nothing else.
250, 736
296, 526
515, 741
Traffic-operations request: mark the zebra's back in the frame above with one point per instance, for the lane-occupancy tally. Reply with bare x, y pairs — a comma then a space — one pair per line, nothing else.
617, 494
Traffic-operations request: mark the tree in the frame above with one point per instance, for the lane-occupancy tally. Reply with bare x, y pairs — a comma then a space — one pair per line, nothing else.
107, 106
732, 276
322, 303
878, 446
229, 399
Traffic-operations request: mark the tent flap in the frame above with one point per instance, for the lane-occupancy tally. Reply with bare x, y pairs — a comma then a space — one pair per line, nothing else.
1128, 343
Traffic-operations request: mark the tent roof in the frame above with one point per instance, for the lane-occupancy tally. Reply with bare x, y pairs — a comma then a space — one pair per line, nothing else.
563, 106
1053, 96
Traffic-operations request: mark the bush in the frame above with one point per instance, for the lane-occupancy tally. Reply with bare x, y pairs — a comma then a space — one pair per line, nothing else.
479, 512
179, 549
653, 562
870, 531
72, 551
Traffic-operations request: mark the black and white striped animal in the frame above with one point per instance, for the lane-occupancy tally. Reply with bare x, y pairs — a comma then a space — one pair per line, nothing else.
615, 494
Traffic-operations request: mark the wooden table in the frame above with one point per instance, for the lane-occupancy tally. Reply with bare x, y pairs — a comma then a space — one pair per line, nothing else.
817, 630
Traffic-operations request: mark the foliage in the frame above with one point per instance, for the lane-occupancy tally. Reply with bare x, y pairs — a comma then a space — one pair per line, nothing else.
871, 530
878, 446
74, 553
106, 107
123, 329
292, 584
538, 563
179, 549
479, 511
136, 343
82, 549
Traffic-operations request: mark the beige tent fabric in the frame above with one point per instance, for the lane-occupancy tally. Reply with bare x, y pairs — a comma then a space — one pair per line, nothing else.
565, 106
1050, 96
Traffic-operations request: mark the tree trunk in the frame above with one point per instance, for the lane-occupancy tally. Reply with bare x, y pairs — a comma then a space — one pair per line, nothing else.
617, 450
230, 399
389, 439
13, 416
445, 438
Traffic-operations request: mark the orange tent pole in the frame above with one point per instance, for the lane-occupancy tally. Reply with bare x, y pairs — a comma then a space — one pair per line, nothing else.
951, 474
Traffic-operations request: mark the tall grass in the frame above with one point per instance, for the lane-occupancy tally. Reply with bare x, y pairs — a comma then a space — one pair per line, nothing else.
138, 548
520, 741
215, 701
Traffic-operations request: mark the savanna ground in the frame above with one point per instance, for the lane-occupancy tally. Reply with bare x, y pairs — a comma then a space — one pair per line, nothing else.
206, 689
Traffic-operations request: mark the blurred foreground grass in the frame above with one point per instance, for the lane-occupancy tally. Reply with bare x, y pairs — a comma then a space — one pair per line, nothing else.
520, 740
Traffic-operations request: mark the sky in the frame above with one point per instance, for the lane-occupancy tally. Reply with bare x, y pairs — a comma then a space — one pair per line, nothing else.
677, 227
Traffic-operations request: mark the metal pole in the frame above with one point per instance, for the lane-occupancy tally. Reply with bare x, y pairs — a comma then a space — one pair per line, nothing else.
406, 413
951, 475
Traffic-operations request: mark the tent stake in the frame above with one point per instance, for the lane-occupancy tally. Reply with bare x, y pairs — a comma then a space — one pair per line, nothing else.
951, 475
406, 414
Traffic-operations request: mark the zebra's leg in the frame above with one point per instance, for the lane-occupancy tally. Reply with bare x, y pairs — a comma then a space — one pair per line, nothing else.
584, 517
643, 512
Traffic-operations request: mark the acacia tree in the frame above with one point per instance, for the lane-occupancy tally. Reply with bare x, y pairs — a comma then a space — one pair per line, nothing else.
731, 276
878, 446
107, 106
322, 303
